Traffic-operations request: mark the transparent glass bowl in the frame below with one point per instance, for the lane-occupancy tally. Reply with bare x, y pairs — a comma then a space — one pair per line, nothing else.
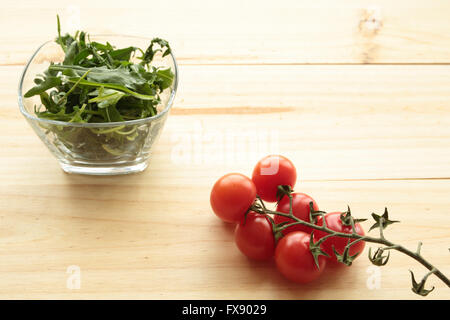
96, 148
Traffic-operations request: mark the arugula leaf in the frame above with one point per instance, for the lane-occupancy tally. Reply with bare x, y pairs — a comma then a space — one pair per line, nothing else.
120, 76
166, 77
71, 53
122, 54
78, 112
49, 82
59, 39
98, 83
107, 97
150, 52
83, 54
48, 102
112, 86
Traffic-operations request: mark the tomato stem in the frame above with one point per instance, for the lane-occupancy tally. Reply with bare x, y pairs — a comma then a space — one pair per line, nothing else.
381, 222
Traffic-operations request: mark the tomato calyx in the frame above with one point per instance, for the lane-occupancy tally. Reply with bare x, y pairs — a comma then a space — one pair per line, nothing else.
283, 190
316, 250
345, 257
419, 287
260, 208
314, 214
382, 221
378, 259
278, 229
348, 220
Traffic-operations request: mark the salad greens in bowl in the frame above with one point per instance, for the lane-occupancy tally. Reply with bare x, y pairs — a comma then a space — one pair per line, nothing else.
99, 103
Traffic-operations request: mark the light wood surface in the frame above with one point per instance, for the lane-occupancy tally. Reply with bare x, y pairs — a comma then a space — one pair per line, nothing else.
247, 32
356, 94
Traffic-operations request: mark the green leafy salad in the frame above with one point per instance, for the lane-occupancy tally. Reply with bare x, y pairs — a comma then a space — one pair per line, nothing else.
97, 82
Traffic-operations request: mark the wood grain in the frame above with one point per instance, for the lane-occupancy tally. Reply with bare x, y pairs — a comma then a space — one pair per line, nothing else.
247, 32
338, 122
133, 241
367, 124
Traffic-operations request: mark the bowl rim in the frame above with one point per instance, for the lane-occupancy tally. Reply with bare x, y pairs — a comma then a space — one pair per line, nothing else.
30, 116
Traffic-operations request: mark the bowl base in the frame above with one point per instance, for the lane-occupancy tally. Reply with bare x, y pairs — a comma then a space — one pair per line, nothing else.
104, 171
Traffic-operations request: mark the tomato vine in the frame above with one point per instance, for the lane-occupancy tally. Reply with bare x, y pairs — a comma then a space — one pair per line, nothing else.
381, 222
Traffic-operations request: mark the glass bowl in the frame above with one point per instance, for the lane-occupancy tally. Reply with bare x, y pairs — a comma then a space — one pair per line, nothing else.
97, 148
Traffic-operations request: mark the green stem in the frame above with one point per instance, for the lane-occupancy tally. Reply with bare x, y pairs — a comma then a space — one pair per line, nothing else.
74, 86
388, 245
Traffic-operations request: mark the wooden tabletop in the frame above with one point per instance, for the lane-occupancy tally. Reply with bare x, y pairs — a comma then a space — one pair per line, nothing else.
355, 93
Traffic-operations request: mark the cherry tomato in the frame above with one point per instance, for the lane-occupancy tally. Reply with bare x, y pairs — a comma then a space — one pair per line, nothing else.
231, 196
254, 237
333, 220
295, 261
300, 209
270, 172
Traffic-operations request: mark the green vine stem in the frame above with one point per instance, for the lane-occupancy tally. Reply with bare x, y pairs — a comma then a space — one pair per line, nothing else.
381, 222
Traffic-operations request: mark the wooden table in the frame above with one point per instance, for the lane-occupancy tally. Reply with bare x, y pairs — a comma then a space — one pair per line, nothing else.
356, 93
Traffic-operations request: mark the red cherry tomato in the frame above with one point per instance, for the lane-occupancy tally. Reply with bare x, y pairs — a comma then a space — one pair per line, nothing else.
270, 172
333, 220
231, 196
300, 209
295, 261
254, 237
